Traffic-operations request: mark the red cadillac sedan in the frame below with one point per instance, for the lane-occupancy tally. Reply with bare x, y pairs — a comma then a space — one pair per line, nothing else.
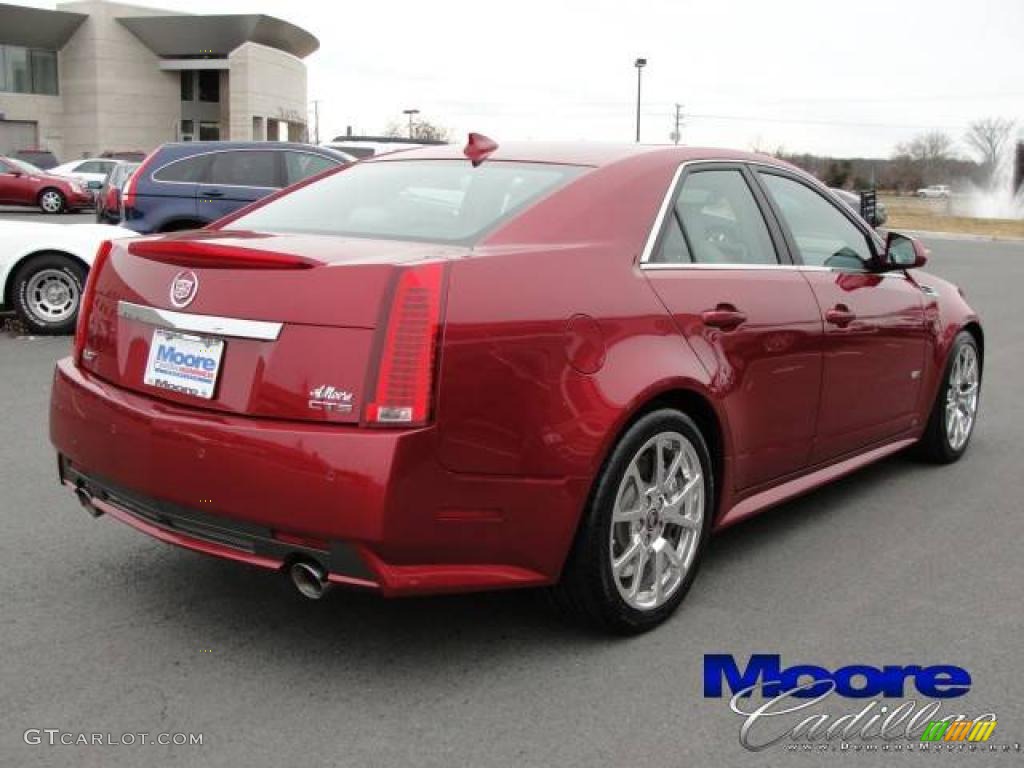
447, 370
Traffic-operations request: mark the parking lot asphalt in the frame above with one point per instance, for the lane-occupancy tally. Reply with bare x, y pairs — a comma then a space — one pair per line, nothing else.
106, 630
18, 213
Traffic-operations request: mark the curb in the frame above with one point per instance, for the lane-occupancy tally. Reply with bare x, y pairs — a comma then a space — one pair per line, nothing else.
961, 236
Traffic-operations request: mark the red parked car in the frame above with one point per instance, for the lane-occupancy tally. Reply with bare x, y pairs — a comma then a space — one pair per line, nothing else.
538, 365
23, 184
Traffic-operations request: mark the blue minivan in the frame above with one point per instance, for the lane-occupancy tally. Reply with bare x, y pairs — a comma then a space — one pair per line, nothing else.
187, 185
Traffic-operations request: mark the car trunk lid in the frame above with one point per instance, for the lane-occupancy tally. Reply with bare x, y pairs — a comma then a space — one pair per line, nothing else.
279, 326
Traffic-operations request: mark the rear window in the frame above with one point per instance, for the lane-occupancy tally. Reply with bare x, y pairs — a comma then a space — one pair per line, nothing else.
446, 201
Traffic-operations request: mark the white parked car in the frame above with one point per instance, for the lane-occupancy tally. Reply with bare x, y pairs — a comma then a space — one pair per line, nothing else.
91, 170
935, 190
43, 269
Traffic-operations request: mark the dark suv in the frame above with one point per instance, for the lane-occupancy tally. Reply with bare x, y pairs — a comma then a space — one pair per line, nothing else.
187, 185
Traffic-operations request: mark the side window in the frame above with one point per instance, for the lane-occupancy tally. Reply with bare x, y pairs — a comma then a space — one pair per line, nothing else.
189, 170
248, 168
301, 165
722, 221
824, 236
89, 166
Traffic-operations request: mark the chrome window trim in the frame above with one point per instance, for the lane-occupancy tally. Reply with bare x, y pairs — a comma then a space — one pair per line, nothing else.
657, 267
659, 220
261, 330
652, 236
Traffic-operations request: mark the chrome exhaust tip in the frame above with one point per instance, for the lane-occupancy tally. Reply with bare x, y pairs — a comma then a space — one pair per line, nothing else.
85, 499
309, 578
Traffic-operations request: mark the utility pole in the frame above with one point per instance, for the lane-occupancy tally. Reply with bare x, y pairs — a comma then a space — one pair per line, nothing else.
316, 122
679, 123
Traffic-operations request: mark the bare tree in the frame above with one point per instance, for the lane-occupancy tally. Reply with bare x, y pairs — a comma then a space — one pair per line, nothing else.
988, 138
928, 154
421, 131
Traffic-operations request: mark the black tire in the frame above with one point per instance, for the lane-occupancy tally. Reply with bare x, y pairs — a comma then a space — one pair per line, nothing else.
587, 588
935, 444
52, 200
29, 303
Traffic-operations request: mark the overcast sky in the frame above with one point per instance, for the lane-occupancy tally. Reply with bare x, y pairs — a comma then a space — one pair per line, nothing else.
845, 78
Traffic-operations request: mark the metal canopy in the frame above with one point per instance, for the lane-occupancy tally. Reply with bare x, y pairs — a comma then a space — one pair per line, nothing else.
218, 35
36, 27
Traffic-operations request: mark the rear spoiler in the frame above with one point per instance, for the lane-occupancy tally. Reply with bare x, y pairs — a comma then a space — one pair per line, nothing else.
196, 253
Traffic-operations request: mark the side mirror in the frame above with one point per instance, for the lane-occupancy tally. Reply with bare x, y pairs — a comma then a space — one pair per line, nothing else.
902, 252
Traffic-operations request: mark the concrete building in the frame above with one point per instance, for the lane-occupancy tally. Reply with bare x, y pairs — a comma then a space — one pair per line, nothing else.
97, 76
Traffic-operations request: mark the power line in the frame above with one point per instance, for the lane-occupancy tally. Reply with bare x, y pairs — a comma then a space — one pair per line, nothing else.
814, 121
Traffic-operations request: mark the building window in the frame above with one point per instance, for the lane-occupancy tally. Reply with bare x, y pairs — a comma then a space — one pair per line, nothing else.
44, 72
209, 85
188, 90
28, 71
188, 130
16, 68
209, 131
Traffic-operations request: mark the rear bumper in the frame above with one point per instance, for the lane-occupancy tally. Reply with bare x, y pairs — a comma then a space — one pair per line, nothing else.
391, 516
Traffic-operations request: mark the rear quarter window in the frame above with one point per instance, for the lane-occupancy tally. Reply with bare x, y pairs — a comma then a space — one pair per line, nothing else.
302, 165
189, 169
445, 201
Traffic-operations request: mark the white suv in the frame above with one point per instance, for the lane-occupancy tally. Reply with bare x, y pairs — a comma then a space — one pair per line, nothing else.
935, 190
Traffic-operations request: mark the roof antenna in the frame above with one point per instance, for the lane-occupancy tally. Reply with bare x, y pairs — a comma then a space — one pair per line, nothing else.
478, 148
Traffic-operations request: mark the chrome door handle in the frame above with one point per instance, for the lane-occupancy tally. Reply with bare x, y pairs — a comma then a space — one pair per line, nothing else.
724, 316
840, 315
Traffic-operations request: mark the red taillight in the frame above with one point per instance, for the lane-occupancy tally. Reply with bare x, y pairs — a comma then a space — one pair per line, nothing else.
198, 253
88, 298
128, 196
110, 201
405, 377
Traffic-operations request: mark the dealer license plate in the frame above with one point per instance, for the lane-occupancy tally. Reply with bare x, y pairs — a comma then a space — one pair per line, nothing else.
184, 363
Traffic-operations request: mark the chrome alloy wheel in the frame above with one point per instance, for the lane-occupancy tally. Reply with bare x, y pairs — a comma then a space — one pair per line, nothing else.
657, 521
51, 202
962, 396
51, 295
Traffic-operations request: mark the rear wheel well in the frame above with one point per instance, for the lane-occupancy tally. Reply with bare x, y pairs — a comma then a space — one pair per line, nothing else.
974, 328
179, 225
698, 408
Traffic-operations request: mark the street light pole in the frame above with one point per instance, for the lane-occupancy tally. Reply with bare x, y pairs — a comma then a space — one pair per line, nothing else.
410, 113
639, 64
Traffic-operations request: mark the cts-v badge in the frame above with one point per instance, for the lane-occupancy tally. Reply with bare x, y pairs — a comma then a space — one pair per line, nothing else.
184, 287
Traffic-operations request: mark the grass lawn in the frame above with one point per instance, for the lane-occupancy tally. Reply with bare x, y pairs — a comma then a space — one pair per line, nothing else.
936, 216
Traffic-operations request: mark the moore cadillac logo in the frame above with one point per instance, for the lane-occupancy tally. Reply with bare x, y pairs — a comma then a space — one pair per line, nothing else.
854, 708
